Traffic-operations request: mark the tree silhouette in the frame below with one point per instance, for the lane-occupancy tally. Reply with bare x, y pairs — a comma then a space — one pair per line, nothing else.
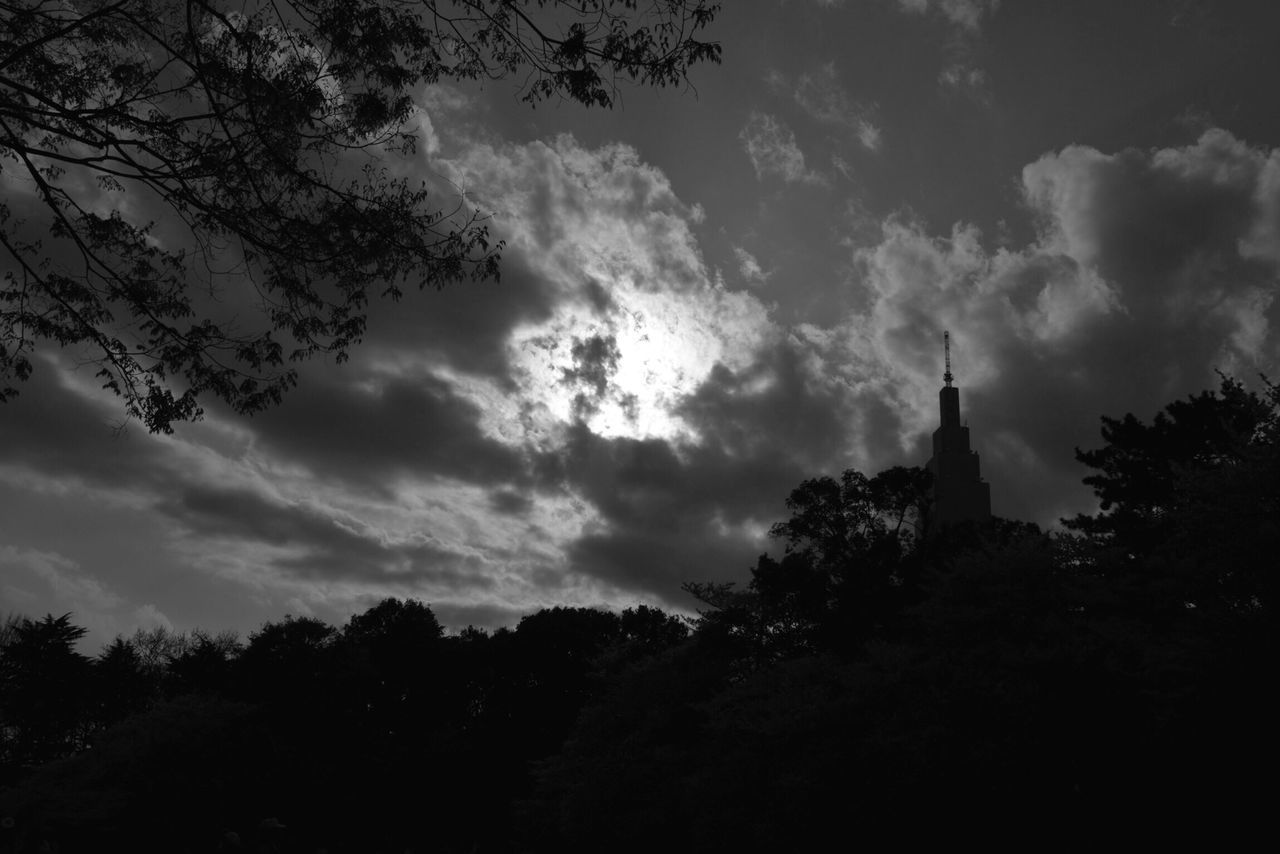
387, 650
394, 627
123, 686
205, 665
157, 647
255, 131
44, 691
847, 567
546, 676
1193, 498
289, 662
1140, 466
651, 629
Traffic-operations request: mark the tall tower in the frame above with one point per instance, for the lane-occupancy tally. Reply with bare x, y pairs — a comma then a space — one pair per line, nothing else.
959, 492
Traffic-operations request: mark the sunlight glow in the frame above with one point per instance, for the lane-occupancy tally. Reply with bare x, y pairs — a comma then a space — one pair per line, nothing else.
665, 346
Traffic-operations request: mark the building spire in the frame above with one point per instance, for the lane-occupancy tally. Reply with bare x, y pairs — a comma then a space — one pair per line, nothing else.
959, 492
946, 347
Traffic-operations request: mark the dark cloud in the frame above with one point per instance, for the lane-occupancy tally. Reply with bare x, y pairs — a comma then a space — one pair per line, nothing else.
780, 407
367, 430
465, 325
324, 545
598, 296
57, 432
51, 429
595, 361
408, 567
510, 503
687, 512
659, 509
655, 562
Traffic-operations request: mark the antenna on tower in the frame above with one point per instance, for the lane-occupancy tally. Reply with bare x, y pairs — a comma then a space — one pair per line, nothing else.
946, 347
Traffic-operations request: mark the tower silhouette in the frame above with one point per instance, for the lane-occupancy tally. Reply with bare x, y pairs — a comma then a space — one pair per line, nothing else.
959, 492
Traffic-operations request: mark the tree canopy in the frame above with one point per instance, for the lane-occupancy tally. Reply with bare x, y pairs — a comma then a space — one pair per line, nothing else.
258, 133
1079, 683
850, 561
1141, 470
1196, 491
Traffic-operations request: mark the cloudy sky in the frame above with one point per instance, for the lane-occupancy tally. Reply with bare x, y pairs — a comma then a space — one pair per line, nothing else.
708, 296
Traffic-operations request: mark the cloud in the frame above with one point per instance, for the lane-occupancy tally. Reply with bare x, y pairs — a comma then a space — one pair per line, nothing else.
148, 616
404, 509
676, 512
821, 95
842, 166
62, 433
612, 418
639, 327
967, 80
61, 575
960, 76
772, 148
615, 245
749, 267
432, 463
40, 582
443, 460
965, 14
395, 422
1150, 269
315, 541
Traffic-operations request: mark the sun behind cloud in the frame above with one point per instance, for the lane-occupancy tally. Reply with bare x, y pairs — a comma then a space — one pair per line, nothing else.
639, 321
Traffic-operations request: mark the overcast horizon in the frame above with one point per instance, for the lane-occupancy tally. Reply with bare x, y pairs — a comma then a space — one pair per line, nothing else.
706, 297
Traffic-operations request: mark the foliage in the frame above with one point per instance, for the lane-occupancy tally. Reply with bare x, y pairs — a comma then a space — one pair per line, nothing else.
343, 734
1029, 696
287, 660
43, 691
206, 665
180, 770
1194, 494
259, 134
848, 565
123, 686
392, 624
1140, 467
836, 523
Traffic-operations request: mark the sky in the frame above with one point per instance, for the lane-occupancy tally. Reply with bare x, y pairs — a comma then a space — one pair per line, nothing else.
708, 296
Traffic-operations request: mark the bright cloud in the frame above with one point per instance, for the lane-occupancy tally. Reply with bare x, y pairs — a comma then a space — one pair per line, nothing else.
617, 243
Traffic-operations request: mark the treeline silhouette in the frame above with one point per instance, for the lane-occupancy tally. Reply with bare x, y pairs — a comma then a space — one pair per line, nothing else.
876, 683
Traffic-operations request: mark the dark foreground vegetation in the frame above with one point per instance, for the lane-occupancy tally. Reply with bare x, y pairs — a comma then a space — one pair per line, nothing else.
993, 684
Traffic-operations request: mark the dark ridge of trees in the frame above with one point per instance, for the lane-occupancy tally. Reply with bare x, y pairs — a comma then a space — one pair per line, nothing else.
381, 735
993, 682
